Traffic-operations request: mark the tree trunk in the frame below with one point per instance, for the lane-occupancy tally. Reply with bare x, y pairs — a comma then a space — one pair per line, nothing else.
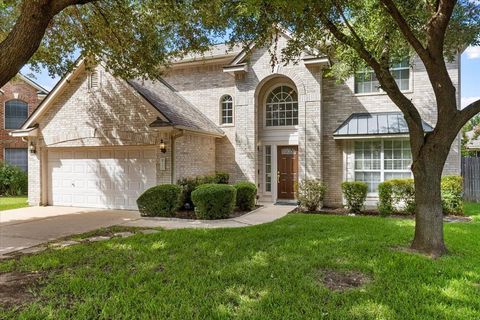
427, 171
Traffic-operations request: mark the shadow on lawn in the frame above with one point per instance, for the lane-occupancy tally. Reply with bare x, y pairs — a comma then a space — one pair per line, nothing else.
264, 271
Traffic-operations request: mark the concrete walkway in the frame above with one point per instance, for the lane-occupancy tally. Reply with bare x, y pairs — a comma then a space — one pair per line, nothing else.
28, 227
267, 213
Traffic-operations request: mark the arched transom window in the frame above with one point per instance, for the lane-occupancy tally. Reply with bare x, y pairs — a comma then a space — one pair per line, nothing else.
16, 112
226, 110
282, 107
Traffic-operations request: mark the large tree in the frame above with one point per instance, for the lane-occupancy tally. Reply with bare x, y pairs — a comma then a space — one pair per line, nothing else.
376, 34
136, 37
133, 38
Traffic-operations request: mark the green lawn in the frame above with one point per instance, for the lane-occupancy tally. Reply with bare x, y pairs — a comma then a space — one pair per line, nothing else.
269, 271
7, 203
472, 209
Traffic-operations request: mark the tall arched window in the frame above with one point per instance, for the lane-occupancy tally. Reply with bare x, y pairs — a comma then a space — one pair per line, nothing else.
16, 112
226, 106
282, 107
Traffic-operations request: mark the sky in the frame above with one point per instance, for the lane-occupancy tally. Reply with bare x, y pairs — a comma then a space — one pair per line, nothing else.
470, 76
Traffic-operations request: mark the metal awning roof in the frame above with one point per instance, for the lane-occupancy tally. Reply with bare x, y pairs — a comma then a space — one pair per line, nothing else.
379, 123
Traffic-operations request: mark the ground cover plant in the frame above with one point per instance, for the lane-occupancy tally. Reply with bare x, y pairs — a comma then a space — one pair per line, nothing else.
301, 266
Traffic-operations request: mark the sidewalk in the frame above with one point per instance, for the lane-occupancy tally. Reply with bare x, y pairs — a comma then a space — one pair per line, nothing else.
267, 213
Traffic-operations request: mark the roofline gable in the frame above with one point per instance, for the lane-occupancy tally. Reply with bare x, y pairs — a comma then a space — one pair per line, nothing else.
32, 83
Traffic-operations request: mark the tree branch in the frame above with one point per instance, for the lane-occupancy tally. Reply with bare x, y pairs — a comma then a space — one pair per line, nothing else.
468, 112
392, 9
437, 26
26, 35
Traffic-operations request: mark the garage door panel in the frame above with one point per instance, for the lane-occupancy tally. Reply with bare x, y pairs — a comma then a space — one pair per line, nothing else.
100, 178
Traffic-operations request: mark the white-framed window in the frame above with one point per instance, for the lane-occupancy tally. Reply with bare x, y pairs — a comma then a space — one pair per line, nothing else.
16, 113
226, 109
281, 107
366, 81
381, 160
17, 157
268, 168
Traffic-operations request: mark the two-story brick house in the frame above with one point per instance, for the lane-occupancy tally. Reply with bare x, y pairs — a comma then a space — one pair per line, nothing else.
18, 98
100, 141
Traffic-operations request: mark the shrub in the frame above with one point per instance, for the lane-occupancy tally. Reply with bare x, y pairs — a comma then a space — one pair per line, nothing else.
396, 196
160, 201
222, 177
452, 195
385, 203
310, 194
191, 183
246, 195
13, 180
355, 194
214, 201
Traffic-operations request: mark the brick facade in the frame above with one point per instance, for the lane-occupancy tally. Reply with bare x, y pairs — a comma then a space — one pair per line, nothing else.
115, 115
16, 89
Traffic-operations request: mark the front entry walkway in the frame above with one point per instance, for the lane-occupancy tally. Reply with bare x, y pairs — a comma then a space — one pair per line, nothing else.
32, 226
267, 213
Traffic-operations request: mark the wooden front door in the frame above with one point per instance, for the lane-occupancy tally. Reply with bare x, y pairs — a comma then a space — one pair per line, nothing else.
287, 166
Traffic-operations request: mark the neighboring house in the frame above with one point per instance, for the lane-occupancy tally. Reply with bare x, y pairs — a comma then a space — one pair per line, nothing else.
100, 141
18, 99
473, 141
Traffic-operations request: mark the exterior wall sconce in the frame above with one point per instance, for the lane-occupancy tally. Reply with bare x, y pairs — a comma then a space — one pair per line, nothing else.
32, 148
163, 148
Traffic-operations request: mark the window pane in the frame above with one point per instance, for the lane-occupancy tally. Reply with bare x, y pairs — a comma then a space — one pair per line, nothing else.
281, 107
17, 157
268, 168
16, 113
227, 109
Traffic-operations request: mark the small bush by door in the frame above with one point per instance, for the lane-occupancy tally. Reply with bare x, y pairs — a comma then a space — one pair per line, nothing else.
246, 195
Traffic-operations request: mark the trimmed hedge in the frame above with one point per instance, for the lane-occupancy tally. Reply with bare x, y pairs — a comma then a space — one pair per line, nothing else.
160, 201
214, 201
355, 193
398, 196
13, 180
246, 195
191, 183
310, 194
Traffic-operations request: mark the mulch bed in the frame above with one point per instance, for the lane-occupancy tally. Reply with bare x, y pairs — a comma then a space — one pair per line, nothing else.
344, 212
343, 280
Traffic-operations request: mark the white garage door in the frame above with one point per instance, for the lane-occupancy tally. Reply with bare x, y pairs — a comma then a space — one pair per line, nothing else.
100, 178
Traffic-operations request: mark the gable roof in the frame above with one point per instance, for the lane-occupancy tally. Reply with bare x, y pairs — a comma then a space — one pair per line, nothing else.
309, 54
176, 109
40, 90
159, 94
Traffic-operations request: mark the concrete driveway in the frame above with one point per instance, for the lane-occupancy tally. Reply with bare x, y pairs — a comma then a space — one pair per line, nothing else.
27, 227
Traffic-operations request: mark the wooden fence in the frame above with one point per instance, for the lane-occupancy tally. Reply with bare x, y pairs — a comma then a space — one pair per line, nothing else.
471, 178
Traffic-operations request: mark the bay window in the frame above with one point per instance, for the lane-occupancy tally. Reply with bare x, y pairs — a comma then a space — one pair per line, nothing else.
380, 160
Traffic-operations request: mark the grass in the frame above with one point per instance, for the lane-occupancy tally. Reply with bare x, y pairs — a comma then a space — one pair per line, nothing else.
472, 209
7, 203
269, 271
